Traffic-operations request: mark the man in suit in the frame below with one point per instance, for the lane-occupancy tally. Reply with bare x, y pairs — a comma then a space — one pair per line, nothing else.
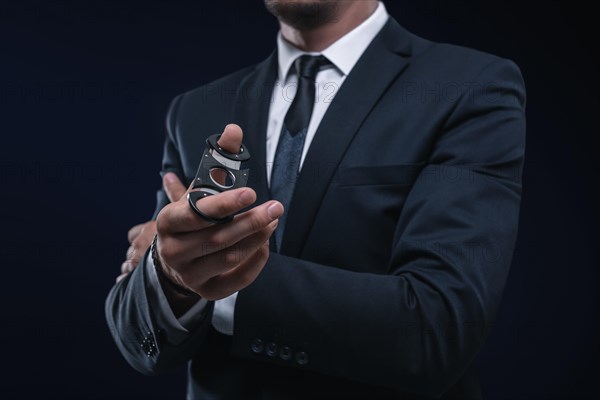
387, 192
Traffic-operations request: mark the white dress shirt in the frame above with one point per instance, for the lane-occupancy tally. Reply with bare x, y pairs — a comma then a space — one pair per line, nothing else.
343, 54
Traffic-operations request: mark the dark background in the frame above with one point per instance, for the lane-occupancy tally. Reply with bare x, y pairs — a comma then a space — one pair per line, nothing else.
84, 87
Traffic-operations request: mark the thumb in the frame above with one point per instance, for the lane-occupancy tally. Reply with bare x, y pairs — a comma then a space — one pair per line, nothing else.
231, 138
173, 187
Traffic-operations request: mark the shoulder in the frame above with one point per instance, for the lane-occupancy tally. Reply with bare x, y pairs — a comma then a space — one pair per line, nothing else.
461, 63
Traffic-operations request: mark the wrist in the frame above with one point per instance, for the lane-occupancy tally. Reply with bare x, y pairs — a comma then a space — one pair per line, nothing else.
163, 277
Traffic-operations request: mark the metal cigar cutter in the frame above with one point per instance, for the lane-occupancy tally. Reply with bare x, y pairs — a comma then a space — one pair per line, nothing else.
219, 170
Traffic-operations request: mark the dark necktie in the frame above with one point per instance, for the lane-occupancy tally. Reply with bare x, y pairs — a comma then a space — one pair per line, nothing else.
291, 140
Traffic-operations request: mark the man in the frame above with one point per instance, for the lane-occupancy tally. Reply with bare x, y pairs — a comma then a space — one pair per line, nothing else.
374, 260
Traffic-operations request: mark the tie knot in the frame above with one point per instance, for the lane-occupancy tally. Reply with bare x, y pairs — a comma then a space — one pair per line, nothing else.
307, 66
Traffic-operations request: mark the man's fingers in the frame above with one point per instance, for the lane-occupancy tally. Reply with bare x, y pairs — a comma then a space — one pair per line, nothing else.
131, 253
218, 237
134, 232
236, 279
173, 187
231, 138
129, 266
140, 237
216, 263
179, 217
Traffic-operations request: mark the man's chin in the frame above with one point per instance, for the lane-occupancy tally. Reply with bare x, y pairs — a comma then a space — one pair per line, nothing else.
303, 15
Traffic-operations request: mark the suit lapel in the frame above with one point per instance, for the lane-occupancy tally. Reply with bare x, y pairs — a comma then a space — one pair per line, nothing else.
251, 112
384, 59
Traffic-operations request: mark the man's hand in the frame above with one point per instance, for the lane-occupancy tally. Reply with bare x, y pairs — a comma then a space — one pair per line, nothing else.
212, 260
216, 260
140, 237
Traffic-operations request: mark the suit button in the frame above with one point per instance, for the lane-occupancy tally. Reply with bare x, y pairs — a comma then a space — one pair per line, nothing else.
257, 346
285, 353
271, 349
148, 344
301, 358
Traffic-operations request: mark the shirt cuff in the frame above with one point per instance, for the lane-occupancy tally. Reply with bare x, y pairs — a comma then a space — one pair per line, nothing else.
222, 318
176, 329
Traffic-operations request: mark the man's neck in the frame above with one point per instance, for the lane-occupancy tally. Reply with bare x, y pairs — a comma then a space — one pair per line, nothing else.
320, 38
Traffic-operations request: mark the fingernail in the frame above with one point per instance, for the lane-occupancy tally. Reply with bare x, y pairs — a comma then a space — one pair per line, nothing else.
246, 197
275, 210
274, 224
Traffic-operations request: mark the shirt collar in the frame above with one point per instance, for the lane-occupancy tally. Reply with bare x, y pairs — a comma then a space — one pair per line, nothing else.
343, 53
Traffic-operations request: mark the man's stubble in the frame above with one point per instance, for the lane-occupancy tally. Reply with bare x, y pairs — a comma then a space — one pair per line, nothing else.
304, 15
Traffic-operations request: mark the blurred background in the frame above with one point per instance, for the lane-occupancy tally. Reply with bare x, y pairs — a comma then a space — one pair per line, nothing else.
84, 87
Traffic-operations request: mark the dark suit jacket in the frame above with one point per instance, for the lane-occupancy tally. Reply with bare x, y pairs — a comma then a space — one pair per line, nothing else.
399, 237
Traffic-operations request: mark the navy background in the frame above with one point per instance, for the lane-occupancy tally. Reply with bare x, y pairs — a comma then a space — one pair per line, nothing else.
84, 87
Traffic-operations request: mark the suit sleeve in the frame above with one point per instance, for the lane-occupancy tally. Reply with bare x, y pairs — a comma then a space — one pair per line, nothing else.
132, 318
417, 328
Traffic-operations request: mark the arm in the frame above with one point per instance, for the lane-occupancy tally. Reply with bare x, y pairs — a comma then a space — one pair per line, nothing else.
140, 324
214, 261
417, 328
133, 323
